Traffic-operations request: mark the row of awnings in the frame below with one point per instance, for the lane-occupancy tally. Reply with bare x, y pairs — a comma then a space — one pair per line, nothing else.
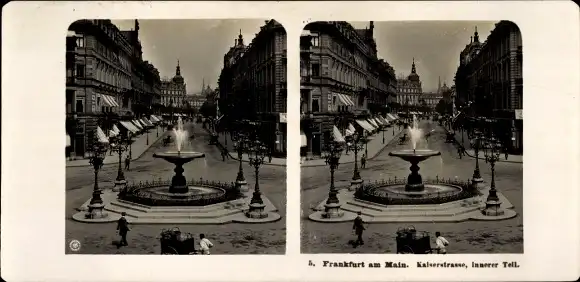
109, 100
345, 99
133, 126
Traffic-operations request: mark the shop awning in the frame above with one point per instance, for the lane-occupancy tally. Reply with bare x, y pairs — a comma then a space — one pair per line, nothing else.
148, 122
137, 124
129, 126
372, 122
385, 121
392, 116
351, 128
109, 100
303, 140
101, 136
365, 125
337, 135
155, 118
68, 140
143, 122
378, 121
116, 129
112, 133
345, 100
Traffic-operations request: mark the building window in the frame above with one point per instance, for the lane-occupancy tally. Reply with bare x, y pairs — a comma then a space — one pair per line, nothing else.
315, 106
80, 70
316, 69
80, 42
80, 106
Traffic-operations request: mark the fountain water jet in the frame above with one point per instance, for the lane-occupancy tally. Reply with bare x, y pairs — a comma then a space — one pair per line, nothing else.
179, 158
414, 156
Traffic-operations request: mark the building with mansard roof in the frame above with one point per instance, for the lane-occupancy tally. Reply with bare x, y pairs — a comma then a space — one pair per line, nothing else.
409, 89
173, 90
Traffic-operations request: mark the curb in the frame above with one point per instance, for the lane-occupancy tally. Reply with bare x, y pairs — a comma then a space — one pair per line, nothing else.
132, 159
472, 156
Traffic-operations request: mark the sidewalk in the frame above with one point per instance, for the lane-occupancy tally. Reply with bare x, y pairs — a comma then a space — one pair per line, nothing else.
375, 146
471, 153
137, 149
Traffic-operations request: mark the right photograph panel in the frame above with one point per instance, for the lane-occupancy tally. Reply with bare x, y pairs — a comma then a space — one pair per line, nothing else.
411, 137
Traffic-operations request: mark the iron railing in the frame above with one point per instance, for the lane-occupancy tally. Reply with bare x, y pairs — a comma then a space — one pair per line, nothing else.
371, 192
140, 193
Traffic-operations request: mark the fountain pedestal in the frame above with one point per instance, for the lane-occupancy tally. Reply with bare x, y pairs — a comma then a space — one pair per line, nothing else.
178, 182
493, 208
355, 184
414, 180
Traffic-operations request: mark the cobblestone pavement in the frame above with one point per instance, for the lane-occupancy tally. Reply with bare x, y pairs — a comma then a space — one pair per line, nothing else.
269, 238
465, 237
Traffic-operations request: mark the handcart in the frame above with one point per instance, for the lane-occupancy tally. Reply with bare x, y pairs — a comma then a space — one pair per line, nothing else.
411, 241
175, 242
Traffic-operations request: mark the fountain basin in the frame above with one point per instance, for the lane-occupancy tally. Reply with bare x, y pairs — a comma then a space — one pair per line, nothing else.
415, 156
437, 191
179, 157
199, 193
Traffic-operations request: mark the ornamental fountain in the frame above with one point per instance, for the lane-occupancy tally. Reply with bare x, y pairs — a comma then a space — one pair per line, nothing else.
179, 201
414, 199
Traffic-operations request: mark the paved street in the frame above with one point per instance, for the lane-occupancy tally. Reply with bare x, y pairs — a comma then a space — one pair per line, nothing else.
465, 237
269, 238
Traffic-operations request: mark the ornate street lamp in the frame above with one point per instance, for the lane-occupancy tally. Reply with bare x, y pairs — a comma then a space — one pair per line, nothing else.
256, 154
240, 143
120, 144
356, 146
332, 154
96, 205
492, 151
476, 142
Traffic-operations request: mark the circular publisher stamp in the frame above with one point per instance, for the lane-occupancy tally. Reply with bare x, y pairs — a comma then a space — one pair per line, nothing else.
74, 245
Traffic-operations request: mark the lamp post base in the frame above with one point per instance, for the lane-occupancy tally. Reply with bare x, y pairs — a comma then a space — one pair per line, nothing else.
242, 185
256, 211
119, 185
332, 211
96, 211
477, 183
493, 208
355, 184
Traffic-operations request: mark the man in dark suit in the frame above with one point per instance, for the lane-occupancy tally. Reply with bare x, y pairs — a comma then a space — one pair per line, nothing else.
358, 228
122, 229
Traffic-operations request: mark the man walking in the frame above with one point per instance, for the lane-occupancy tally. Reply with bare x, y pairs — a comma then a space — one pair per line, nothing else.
460, 151
358, 228
122, 229
363, 161
441, 243
127, 162
204, 244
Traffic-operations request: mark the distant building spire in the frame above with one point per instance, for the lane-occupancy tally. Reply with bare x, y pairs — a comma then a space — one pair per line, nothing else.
413, 69
470, 39
240, 38
178, 68
439, 85
476, 35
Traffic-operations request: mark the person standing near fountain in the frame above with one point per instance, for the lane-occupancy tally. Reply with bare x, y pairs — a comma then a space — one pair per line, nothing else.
363, 161
122, 229
358, 228
127, 162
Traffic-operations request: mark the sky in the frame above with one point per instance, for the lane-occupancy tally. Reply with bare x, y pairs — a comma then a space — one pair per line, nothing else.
435, 46
199, 45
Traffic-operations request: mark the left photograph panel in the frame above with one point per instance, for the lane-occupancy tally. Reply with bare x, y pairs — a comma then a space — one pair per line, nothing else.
176, 137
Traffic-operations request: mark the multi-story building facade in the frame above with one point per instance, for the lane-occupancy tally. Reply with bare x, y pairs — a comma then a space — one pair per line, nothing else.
252, 84
100, 88
409, 89
173, 90
341, 79
489, 80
